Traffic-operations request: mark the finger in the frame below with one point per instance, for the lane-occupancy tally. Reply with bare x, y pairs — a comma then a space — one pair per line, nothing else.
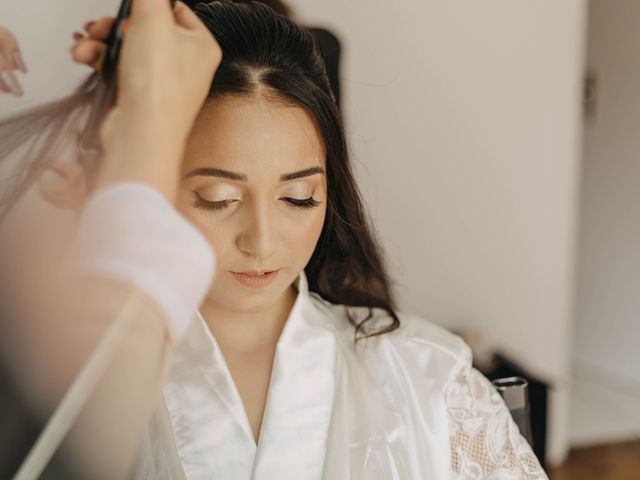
90, 52
96, 64
3, 86
77, 36
10, 53
9, 79
100, 29
18, 61
8, 42
185, 17
150, 10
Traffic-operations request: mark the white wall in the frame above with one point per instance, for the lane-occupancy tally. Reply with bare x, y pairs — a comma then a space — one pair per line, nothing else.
464, 120
608, 302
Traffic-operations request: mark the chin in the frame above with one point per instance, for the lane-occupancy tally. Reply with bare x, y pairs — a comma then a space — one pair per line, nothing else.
243, 304
235, 298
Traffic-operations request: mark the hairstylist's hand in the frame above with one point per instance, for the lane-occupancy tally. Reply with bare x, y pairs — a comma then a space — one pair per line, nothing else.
166, 67
10, 61
90, 49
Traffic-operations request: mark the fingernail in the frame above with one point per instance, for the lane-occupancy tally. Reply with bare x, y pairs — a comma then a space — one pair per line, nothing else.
88, 25
19, 62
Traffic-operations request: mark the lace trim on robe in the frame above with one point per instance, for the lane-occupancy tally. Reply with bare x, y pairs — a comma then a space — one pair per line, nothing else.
485, 442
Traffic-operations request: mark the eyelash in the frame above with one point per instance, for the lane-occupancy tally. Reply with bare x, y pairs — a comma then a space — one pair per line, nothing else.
293, 202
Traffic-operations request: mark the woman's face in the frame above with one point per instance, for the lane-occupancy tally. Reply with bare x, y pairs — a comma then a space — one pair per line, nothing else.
253, 182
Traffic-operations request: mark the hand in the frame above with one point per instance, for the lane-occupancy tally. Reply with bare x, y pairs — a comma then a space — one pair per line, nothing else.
10, 61
165, 71
89, 49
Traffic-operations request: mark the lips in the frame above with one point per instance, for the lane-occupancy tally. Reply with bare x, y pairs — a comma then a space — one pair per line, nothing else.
257, 272
256, 278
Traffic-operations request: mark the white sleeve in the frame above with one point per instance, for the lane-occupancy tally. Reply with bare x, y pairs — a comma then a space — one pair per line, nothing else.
132, 233
484, 439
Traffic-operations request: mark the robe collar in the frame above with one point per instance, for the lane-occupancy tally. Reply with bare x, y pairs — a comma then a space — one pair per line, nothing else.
293, 437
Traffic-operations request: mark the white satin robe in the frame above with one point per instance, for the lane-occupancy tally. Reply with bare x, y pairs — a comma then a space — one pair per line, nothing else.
403, 405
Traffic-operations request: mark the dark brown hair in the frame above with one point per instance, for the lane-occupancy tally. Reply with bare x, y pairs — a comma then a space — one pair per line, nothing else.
267, 51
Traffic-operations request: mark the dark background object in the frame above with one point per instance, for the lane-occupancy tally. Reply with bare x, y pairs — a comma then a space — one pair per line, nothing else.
19, 427
503, 367
329, 46
515, 393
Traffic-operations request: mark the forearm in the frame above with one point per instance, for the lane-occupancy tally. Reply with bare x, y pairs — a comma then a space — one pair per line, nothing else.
105, 436
140, 145
140, 269
137, 273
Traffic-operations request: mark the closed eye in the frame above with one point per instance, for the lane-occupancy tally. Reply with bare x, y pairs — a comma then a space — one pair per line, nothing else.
306, 203
200, 202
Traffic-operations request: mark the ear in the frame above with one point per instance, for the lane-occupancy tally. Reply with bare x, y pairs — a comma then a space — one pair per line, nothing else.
63, 185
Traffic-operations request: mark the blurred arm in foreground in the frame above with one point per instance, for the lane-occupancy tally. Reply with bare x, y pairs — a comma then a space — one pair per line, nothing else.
138, 270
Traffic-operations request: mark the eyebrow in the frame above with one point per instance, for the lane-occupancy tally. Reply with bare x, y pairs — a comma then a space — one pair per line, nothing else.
217, 172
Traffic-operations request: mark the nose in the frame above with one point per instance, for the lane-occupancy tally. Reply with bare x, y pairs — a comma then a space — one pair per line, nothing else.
257, 237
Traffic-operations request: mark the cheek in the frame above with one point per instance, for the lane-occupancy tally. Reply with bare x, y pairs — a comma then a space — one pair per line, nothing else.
218, 233
306, 233
204, 221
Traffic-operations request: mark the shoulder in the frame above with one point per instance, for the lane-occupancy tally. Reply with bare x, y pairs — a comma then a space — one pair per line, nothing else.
415, 340
420, 333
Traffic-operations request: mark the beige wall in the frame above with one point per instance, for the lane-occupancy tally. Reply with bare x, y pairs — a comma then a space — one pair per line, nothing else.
44, 29
608, 301
464, 122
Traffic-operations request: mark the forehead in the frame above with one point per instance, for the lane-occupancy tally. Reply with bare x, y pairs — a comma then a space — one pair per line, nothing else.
255, 136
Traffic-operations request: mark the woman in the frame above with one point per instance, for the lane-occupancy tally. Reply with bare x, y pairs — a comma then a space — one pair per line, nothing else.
297, 364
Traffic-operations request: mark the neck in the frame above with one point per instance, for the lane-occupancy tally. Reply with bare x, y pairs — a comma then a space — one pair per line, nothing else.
247, 333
